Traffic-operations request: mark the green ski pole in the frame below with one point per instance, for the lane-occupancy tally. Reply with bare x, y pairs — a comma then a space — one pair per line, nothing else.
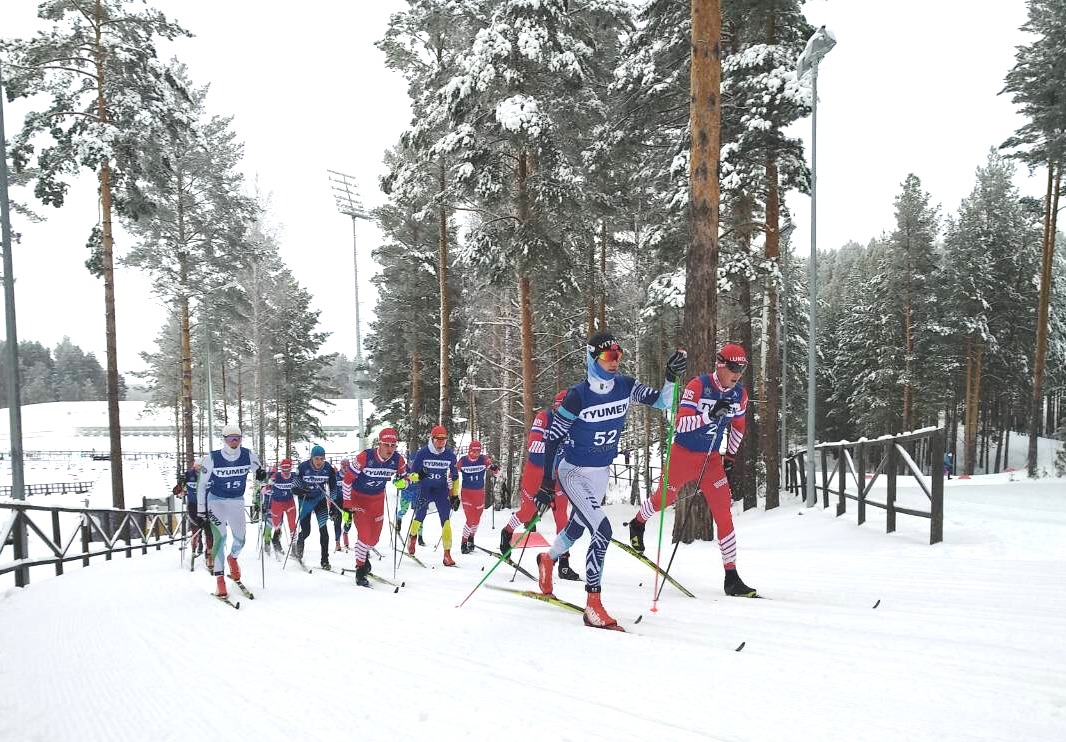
662, 490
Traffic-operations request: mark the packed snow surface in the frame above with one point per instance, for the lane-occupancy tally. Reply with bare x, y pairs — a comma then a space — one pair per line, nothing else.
966, 640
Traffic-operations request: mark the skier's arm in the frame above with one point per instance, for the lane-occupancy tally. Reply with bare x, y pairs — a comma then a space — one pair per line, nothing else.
561, 421
662, 398
738, 424
206, 469
689, 415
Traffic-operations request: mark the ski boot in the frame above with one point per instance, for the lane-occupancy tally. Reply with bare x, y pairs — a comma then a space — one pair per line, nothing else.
565, 572
412, 541
367, 563
361, 571
325, 563
337, 547
266, 547
220, 585
544, 572
420, 541
636, 535
505, 540
448, 561
399, 526
344, 536
298, 551
234, 568
595, 615
276, 543
735, 587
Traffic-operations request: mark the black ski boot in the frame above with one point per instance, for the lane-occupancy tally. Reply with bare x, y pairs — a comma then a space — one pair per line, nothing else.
565, 573
298, 551
420, 541
464, 547
276, 543
735, 587
367, 564
636, 535
361, 572
505, 540
325, 563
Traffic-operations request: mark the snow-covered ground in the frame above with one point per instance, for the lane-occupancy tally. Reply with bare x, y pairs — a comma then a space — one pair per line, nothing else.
965, 642
868, 636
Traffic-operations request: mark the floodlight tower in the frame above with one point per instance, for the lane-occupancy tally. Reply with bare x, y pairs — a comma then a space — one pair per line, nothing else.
818, 45
346, 196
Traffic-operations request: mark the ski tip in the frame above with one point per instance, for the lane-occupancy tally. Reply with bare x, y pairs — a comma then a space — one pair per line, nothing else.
482, 567
403, 584
740, 646
237, 605
639, 618
640, 584
396, 591
877, 603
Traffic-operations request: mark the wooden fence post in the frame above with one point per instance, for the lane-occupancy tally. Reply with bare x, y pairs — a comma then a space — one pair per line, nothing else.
936, 500
57, 538
85, 538
890, 497
860, 467
842, 481
825, 478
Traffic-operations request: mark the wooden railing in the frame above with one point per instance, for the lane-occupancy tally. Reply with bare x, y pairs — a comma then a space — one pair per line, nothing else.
41, 536
54, 488
888, 456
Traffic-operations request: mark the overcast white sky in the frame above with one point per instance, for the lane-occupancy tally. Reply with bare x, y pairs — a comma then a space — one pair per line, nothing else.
911, 87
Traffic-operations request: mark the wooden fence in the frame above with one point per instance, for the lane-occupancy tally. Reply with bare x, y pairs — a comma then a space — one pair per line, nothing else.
71, 534
54, 488
889, 456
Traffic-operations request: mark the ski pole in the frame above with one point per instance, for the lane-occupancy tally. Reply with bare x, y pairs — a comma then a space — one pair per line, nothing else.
663, 487
299, 517
668, 565
502, 558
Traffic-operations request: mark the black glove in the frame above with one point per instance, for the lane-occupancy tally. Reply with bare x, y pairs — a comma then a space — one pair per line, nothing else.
721, 408
260, 474
676, 365
727, 463
455, 502
494, 469
545, 497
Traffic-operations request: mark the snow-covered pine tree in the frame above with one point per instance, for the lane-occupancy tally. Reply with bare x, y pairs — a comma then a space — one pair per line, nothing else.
1037, 83
191, 218
106, 95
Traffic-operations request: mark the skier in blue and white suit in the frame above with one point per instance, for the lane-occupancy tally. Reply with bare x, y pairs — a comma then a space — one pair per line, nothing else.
590, 421
223, 478
315, 479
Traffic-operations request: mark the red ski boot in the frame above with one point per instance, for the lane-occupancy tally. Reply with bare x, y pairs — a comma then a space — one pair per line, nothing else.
412, 540
544, 572
595, 616
234, 568
220, 583
448, 561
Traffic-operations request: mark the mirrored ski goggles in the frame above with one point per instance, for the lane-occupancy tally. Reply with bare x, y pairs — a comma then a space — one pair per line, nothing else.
440, 437
232, 438
737, 367
615, 354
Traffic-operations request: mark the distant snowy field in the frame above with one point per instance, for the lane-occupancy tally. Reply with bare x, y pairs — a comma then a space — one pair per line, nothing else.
966, 641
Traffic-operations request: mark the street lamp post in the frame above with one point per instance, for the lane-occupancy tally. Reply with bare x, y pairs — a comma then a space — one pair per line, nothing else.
14, 398
818, 45
346, 195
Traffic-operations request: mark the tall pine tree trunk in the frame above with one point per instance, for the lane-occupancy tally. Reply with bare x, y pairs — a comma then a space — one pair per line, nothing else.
444, 415
603, 274
416, 401
701, 264
1054, 188
118, 497
745, 472
591, 298
525, 298
973, 398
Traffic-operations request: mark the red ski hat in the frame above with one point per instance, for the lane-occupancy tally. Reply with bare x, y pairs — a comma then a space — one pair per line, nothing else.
475, 445
438, 432
559, 398
285, 464
388, 435
733, 357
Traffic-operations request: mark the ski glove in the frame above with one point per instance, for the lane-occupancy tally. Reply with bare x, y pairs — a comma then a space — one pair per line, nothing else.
545, 497
454, 502
676, 365
400, 483
721, 408
260, 474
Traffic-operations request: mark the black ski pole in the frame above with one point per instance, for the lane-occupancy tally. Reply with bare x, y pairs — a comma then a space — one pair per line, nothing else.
667, 572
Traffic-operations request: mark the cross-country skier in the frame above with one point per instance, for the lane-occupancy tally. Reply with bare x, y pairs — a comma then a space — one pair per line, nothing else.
407, 496
590, 421
339, 513
282, 504
472, 468
711, 405
220, 492
363, 491
434, 464
315, 479
201, 534
532, 474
